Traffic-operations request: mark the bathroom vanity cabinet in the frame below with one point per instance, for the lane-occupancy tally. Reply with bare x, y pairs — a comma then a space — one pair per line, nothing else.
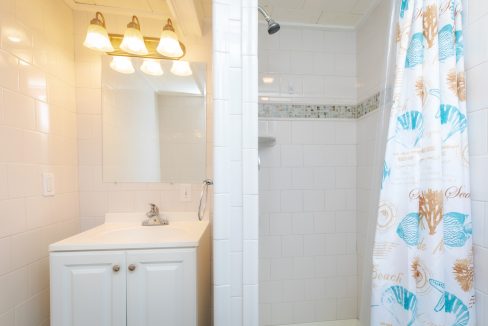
134, 286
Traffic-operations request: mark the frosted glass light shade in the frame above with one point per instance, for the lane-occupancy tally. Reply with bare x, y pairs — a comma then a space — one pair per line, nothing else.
169, 46
133, 42
96, 35
122, 65
181, 68
151, 67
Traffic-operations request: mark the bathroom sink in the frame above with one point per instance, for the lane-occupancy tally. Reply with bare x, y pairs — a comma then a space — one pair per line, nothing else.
125, 232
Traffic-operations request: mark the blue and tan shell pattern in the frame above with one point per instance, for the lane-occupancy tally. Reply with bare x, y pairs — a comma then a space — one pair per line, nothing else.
423, 260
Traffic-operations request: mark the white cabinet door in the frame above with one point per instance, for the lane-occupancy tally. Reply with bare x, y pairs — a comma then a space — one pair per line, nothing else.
161, 290
86, 289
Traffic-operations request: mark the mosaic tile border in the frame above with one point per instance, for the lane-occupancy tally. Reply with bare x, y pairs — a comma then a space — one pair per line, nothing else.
311, 111
368, 105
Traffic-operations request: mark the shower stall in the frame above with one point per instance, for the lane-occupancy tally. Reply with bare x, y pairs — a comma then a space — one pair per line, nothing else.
322, 122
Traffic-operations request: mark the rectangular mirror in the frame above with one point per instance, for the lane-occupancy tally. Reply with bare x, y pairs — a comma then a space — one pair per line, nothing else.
154, 127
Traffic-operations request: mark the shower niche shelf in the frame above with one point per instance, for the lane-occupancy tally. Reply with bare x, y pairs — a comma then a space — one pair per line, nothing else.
266, 141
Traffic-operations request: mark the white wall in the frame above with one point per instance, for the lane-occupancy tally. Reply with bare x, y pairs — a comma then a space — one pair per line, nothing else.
367, 192
372, 51
372, 45
37, 134
235, 170
307, 217
309, 65
308, 180
96, 197
476, 55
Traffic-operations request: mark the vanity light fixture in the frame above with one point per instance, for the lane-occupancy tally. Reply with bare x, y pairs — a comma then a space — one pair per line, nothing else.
268, 80
133, 41
181, 68
169, 46
96, 35
151, 67
122, 65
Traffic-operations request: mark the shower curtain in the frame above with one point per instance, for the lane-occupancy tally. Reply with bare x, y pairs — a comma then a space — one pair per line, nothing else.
422, 256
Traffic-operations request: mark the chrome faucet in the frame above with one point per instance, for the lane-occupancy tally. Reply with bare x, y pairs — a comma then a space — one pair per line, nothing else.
154, 218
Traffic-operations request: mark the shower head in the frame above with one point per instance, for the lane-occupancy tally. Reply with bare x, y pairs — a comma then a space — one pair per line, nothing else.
273, 26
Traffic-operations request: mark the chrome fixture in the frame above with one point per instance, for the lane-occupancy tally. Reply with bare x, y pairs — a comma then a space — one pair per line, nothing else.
154, 218
203, 202
273, 26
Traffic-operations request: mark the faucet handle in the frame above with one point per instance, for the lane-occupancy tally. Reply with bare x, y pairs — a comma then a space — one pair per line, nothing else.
154, 210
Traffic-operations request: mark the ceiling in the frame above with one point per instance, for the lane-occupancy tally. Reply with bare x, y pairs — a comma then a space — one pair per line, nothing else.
343, 13
140, 7
156, 7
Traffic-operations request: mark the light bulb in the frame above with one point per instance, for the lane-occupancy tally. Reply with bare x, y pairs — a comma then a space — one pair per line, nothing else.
151, 67
96, 35
133, 41
14, 38
122, 65
169, 46
181, 68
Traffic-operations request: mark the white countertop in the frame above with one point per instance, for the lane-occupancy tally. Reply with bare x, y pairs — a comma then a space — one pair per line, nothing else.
124, 231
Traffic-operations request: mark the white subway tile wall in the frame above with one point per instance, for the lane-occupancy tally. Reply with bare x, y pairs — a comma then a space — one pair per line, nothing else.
97, 197
311, 65
308, 264
38, 133
367, 189
236, 157
371, 43
476, 44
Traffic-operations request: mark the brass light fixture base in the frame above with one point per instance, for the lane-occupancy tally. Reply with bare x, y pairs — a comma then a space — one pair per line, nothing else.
151, 44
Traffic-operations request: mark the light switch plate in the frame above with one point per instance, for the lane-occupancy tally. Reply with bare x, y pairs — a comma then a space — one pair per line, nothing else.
185, 192
48, 188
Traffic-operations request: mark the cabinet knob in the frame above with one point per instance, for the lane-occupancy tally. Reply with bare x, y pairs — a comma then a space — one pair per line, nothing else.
132, 267
116, 268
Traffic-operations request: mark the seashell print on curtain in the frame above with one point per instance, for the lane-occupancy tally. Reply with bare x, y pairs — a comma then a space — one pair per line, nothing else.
423, 259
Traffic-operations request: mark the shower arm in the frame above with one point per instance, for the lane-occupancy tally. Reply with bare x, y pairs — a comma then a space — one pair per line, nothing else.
263, 12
